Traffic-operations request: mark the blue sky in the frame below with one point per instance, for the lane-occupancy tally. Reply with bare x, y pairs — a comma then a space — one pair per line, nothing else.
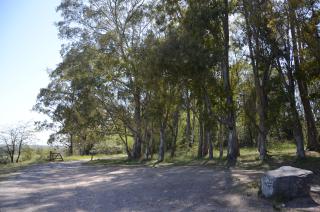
29, 45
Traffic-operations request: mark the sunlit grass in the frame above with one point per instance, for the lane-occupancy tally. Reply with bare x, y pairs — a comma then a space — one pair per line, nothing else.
9, 168
280, 154
83, 157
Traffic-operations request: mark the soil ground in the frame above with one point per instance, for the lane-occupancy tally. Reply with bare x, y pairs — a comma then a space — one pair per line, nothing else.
78, 186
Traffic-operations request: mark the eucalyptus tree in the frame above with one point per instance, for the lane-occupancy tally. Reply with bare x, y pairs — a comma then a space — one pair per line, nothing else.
276, 33
303, 20
57, 101
282, 49
137, 68
261, 61
233, 148
117, 28
71, 103
204, 32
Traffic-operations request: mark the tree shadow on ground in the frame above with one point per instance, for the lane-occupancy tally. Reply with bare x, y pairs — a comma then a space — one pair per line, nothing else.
115, 185
70, 186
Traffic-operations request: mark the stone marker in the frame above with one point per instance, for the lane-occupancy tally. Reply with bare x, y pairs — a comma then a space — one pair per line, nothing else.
286, 183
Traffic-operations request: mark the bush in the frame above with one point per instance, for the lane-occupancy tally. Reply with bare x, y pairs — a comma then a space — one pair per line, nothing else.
43, 153
4, 159
27, 153
112, 145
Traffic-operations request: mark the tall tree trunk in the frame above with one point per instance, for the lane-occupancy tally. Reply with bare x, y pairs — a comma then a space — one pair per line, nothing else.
233, 149
221, 141
19, 151
193, 128
162, 143
188, 120
71, 144
206, 128
151, 146
136, 153
259, 86
209, 141
163, 124
200, 145
298, 134
175, 130
262, 113
10, 152
251, 142
262, 138
295, 120
11, 158
205, 138
312, 134
126, 144
209, 125
147, 142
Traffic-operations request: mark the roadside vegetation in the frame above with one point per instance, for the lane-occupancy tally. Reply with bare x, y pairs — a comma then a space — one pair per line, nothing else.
279, 155
180, 82
30, 155
159, 77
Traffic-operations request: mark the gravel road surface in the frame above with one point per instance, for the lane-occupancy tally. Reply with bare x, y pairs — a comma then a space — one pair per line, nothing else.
75, 186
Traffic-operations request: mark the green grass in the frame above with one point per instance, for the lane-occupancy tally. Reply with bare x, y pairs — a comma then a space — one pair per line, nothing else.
280, 154
88, 157
116, 160
97, 157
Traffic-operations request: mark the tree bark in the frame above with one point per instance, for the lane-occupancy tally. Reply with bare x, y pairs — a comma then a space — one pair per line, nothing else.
312, 134
11, 158
205, 138
188, 120
10, 152
175, 130
221, 141
163, 125
298, 135
295, 120
200, 145
19, 151
262, 100
136, 153
209, 141
233, 150
193, 128
162, 143
71, 145
209, 124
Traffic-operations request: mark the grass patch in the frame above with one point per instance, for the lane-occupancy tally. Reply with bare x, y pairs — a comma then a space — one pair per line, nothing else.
115, 160
182, 158
99, 158
283, 154
83, 157
280, 154
7, 170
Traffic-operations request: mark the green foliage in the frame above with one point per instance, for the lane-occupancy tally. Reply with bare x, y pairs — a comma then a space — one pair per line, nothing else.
111, 145
29, 156
146, 76
27, 153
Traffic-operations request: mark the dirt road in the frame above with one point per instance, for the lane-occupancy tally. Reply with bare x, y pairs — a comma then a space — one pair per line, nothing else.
74, 186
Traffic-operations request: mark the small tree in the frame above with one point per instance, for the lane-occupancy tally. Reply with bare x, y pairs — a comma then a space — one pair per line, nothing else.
14, 139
